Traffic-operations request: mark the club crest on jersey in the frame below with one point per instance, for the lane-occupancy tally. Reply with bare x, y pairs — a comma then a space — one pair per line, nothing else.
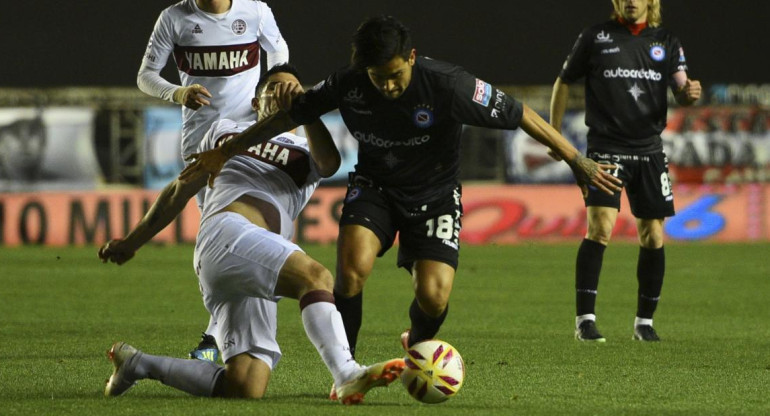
353, 194
657, 52
483, 92
423, 116
239, 26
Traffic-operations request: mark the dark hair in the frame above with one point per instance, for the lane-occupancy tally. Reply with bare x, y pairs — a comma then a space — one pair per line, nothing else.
284, 67
378, 40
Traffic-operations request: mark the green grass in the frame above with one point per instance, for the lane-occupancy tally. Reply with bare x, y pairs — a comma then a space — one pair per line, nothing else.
511, 317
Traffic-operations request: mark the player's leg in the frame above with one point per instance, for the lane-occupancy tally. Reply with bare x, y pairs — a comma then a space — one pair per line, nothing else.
588, 267
429, 249
199, 378
366, 232
357, 249
651, 201
650, 269
432, 281
304, 278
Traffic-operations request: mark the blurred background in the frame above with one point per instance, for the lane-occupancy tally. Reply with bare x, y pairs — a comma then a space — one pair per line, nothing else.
83, 151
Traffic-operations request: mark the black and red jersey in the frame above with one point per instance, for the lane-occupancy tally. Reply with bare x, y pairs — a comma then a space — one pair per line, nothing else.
411, 144
626, 82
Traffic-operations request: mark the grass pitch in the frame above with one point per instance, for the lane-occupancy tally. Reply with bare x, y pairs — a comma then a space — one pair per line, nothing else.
511, 317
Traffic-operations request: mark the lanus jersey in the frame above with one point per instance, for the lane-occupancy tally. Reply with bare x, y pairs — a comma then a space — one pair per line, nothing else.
280, 172
410, 145
626, 82
220, 52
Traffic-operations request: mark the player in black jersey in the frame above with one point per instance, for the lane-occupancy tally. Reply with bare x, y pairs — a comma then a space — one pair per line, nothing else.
407, 114
628, 63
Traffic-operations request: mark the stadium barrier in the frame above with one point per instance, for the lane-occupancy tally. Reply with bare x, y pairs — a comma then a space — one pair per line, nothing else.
501, 214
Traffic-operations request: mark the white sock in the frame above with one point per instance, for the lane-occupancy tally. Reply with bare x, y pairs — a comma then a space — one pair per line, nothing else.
587, 317
324, 328
642, 321
191, 376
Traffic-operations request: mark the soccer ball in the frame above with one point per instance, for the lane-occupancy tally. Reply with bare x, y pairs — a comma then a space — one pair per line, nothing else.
434, 371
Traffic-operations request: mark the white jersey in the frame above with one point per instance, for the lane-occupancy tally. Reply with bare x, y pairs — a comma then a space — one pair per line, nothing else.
279, 171
220, 52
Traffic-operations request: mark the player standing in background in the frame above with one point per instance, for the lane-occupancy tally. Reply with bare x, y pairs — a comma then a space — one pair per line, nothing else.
216, 47
407, 114
244, 259
628, 62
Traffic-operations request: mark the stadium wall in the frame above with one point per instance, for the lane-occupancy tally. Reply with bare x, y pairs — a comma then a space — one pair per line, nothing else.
501, 214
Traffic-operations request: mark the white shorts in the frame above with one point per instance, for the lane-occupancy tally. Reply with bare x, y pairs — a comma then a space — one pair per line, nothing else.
237, 264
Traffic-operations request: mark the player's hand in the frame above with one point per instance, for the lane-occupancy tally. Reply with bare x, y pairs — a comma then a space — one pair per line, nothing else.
193, 96
116, 251
691, 90
285, 93
208, 163
589, 173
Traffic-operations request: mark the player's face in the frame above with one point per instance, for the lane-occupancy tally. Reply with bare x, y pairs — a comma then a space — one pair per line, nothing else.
392, 78
265, 105
634, 11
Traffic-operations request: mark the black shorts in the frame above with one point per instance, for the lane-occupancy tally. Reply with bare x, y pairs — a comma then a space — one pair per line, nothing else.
645, 179
426, 231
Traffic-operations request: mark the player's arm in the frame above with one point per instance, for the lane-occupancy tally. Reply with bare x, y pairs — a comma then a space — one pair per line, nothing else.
271, 40
167, 206
285, 94
322, 148
586, 171
559, 97
208, 164
148, 79
687, 91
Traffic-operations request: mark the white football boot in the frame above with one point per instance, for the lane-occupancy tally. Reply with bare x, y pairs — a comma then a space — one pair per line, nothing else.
376, 375
122, 376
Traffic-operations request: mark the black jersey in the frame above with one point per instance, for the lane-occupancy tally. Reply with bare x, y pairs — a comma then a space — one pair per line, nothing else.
411, 144
626, 82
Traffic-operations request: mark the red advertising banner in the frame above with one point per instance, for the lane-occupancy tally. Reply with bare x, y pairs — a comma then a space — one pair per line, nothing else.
501, 214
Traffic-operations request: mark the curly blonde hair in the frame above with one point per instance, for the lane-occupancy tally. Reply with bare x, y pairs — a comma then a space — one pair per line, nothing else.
654, 19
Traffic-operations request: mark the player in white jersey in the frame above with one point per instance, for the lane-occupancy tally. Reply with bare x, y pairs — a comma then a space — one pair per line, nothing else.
245, 261
216, 47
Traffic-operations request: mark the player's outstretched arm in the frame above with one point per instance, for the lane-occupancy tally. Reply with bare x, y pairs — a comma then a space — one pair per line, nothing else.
586, 171
322, 148
166, 207
559, 97
208, 164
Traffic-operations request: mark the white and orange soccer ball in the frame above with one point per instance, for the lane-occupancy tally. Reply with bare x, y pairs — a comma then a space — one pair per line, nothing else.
434, 371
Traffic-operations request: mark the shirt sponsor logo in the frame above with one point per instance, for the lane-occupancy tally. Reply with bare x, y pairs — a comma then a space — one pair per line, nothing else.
483, 92
354, 97
217, 60
633, 74
602, 37
611, 50
239, 27
499, 105
657, 52
422, 116
373, 140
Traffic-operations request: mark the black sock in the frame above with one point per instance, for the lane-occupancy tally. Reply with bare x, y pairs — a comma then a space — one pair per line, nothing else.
351, 310
649, 273
424, 326
587, 269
